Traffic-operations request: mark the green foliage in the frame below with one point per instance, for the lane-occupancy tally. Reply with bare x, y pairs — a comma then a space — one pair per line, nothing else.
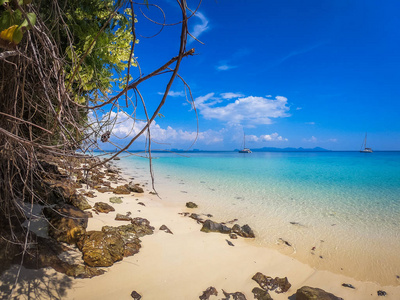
13, 24
105, 52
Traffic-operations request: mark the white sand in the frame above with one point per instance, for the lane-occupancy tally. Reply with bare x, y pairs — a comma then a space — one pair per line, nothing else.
182, 265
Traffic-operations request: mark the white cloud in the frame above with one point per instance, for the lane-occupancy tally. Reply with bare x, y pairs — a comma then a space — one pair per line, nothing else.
310, 123
273, 137
248, 111
126, 127
333, 140
313, 139
299, 108
174, 94
225, 67
198, 29
231, 95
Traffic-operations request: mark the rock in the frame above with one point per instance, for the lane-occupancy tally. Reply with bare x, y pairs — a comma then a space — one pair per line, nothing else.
82, 271
286, 242
66, 223
89, 194
101, 249
142, 227
165, 229
261, 294
283, 285
191, 205
117, 200
211, 226
381, 293
58, 191
105, 189
230, 243
310, 293
233, 296
112, 169
103, 207
45, 253
280, 285
141, 203
244, 231
135, 188
135, 295
129, 237
116, 158
233, 236
80, 202
348, 285
47, 168
211, 291
121, 190
196, 217
121, 217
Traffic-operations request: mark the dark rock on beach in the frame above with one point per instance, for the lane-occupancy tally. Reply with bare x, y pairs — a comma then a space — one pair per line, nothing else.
101, 249
279, 285
230, 243
211, 291
135, 188
310, 293
83, 271
261, 294
80, 202
233, 236
104, 189
115, 200
381, 293
165, 229
233, 296
66, 223
196, 217
112, 169
348, 285
136, 296
121, 190
211, 226
103, 207
121, 217
191, 205
129, 236
142, 226
244, 231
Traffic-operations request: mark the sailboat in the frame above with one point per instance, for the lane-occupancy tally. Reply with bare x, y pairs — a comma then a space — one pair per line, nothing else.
244, 150
364, 148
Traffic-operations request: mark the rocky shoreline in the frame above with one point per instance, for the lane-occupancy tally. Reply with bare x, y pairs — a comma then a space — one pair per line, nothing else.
70, 187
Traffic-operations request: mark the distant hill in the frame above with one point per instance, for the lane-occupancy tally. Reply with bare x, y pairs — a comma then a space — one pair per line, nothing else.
273, 149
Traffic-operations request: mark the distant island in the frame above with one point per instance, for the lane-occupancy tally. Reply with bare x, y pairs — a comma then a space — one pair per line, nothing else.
264, 149
273, 149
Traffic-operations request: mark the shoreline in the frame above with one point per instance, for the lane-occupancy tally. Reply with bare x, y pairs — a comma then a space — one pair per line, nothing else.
184, 264
331, 240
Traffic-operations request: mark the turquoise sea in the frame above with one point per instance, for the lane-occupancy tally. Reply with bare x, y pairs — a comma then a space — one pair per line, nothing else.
339, 211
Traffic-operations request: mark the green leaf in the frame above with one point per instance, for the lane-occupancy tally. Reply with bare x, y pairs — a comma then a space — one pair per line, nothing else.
18, 35
32, 19
4, 1
5, 20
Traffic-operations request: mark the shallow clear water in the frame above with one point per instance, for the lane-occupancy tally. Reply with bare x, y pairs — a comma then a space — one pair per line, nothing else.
345, 204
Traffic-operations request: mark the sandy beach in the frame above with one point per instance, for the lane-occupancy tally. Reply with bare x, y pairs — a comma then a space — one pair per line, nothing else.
181, 265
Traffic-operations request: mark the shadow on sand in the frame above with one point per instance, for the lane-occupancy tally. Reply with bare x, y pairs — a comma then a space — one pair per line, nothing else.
33, 284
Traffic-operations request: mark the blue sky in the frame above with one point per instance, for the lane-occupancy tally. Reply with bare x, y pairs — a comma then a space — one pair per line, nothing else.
287, 73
